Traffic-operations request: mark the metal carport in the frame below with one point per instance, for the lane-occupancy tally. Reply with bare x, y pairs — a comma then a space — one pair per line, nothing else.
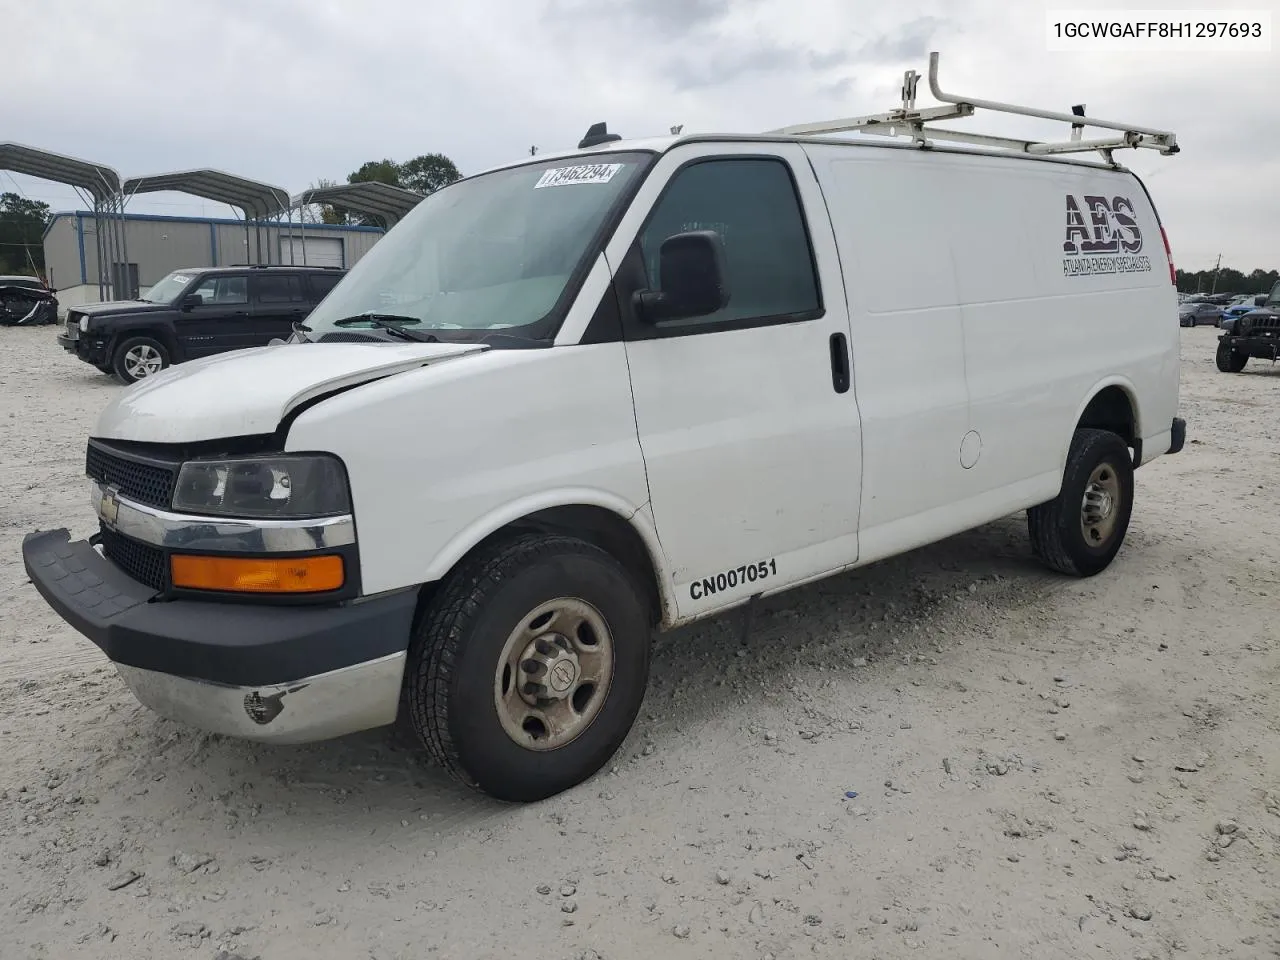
372, 198
100, 182
259, 203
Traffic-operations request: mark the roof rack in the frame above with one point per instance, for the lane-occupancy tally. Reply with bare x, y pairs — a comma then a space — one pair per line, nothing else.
917, 123
272, 266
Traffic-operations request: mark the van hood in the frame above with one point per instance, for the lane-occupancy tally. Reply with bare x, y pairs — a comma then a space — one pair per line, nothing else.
248, 392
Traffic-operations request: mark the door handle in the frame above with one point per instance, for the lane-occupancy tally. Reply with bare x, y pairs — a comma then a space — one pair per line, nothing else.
839, 362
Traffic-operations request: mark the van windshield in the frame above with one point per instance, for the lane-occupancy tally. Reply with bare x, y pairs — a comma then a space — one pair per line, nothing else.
491, 253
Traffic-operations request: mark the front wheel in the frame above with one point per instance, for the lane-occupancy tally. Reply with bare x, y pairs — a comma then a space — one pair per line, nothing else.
1230, 360
1080, 531
528, 668
139, 357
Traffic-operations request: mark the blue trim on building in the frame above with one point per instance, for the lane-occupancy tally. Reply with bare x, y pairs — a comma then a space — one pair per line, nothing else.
214, 221
84, 270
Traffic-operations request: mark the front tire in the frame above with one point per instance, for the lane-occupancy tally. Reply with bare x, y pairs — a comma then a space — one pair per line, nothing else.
528, 668
1230, 360
137, 358
1080, 531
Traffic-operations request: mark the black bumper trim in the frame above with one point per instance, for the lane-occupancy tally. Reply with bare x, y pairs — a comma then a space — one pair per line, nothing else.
240, 644
1178, 435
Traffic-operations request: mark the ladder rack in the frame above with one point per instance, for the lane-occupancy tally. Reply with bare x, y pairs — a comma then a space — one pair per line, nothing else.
918, 124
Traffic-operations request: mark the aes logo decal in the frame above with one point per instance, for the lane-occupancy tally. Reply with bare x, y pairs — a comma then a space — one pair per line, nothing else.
1103, 236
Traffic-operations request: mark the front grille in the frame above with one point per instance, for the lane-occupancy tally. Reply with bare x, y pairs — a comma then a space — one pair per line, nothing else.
73, 329
144, 563
148, 483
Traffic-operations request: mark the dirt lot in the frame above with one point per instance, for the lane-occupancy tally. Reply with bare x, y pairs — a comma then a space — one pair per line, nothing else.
1044, 767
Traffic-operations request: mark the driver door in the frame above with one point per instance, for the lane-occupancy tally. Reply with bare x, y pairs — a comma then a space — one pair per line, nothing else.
220, 322
746, 418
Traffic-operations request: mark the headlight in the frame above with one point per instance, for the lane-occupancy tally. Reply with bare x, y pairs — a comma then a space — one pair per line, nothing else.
282, 487
1243, 326
84, 324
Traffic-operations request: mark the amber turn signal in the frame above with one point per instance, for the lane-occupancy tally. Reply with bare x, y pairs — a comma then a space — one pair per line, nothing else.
258, 574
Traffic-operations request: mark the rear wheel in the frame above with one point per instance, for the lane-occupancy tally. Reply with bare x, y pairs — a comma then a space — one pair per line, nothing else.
1080, 531
139, 357
1229, 359
528, 668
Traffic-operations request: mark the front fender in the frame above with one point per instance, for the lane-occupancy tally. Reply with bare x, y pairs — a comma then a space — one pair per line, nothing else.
638, 517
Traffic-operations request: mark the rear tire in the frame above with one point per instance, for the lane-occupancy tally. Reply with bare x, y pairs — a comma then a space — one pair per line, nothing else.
1230, 360
1080, 531
138, 358
506, 631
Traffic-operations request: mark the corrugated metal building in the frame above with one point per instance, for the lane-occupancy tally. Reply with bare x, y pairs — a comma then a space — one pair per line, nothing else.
159, 245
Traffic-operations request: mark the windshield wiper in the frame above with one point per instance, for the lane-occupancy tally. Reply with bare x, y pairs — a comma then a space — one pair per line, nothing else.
392, 323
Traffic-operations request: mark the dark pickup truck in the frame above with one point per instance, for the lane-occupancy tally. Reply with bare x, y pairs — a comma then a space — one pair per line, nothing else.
195, 313
1256, 334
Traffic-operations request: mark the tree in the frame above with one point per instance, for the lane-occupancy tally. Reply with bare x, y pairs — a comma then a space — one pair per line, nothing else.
386, 171
424, 174
428, 173
22, 226
1229, 280
324, 212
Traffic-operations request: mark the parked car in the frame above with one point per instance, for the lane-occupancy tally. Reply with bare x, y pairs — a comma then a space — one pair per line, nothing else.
195, 313
26, 302
1196, 313
1236, 310
623, 388
1255, 334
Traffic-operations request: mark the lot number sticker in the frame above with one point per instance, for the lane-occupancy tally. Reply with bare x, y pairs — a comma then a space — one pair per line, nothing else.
585, 173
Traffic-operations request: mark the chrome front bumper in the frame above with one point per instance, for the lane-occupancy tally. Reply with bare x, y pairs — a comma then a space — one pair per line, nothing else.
322, 707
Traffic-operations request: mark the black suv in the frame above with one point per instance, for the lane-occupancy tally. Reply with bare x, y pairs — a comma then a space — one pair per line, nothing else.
195, 313
1255, 334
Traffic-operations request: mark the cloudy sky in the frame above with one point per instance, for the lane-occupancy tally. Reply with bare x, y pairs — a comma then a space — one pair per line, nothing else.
289, 91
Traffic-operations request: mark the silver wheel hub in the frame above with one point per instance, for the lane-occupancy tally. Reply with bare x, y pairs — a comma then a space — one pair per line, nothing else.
142, 361
1097, 503
550, 669
554, 674
1098, 509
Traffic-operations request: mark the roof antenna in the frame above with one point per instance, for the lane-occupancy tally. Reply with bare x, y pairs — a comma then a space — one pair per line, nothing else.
597, 134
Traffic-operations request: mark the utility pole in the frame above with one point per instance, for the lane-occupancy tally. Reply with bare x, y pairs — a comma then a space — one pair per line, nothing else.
1215, 275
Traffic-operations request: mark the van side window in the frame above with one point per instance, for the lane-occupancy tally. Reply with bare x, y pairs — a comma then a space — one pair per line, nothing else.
752, 204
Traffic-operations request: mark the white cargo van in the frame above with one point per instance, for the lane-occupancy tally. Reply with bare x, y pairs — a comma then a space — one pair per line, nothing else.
582, 397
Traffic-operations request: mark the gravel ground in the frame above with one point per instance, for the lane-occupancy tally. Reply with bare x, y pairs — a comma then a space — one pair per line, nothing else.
1043, 767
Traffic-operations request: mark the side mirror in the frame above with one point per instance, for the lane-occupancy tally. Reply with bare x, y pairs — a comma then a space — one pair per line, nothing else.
192, 300
1260, 301
691, 279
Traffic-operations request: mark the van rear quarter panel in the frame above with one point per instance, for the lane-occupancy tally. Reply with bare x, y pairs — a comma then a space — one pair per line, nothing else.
1046, 322
1025, 338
